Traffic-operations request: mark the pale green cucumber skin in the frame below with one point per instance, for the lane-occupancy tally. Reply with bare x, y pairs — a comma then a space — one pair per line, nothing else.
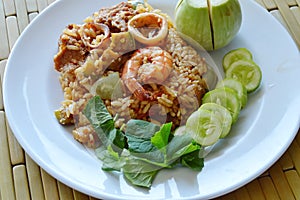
235, 55
226, 22
237, 71
225, 97
200, 31
237, 86
222, 113
200, 119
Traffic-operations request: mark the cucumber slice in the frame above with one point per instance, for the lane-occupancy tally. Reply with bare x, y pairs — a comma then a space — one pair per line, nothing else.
222, 113
237, 86
204, 127
225, 97
247, 72
235, 55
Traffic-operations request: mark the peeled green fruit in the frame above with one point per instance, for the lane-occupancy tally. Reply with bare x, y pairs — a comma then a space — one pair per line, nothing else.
212, 23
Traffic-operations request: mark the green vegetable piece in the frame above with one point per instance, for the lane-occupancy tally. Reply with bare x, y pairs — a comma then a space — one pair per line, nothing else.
238, 87
226, 20
192, 18
141, 179
110, 159
211, 23
139, 145
179, 146
247, 72
204, 127
108, 87
98, 115
222, 113
144, 150
235, 55
225, 97
138, 134
193, 161
161, 138
141, 128
122, 42
138, 171
103, 123
62, 117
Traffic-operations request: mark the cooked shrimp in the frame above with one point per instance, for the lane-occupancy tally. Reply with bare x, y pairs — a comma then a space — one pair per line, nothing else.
147, 65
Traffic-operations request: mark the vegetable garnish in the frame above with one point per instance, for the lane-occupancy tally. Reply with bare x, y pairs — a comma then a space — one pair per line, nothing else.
225, 97
234, 55
212, 23
221, 106
238, 87
246, 71
239, 65
141, 149
222, 113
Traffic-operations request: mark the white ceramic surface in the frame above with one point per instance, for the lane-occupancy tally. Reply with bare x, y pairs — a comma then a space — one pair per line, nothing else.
265, 128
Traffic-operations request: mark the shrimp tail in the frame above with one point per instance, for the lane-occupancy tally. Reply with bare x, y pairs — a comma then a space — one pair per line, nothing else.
142, 94
137, 89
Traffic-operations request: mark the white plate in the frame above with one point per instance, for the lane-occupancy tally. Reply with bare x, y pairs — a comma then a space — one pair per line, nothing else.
263, 132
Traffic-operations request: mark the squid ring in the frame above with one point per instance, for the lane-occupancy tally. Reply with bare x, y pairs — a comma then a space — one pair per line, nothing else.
96, 26
148, 28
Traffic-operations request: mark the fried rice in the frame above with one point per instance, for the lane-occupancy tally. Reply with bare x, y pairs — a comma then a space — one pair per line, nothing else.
84, 56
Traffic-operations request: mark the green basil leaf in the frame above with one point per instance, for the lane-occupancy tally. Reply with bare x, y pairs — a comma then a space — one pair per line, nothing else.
141, 128
179, 146
138, 134
139, 145
117, 139
111, 161
103, 123
141, 179
98, 115
161, 138
193, 161
138, 171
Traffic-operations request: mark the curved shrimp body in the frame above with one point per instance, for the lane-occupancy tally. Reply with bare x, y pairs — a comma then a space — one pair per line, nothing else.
147, 65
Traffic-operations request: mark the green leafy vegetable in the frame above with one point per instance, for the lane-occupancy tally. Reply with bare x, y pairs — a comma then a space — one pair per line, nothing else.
103, 123
179, 146
138, 134
138, 170
139, 145
143, 149
98, 115
111, 159
193, 161
161, 138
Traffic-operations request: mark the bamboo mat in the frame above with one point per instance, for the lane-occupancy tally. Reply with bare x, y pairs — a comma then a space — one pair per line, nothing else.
21, 178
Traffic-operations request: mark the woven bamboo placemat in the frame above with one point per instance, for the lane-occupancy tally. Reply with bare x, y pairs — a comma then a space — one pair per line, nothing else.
21, 178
